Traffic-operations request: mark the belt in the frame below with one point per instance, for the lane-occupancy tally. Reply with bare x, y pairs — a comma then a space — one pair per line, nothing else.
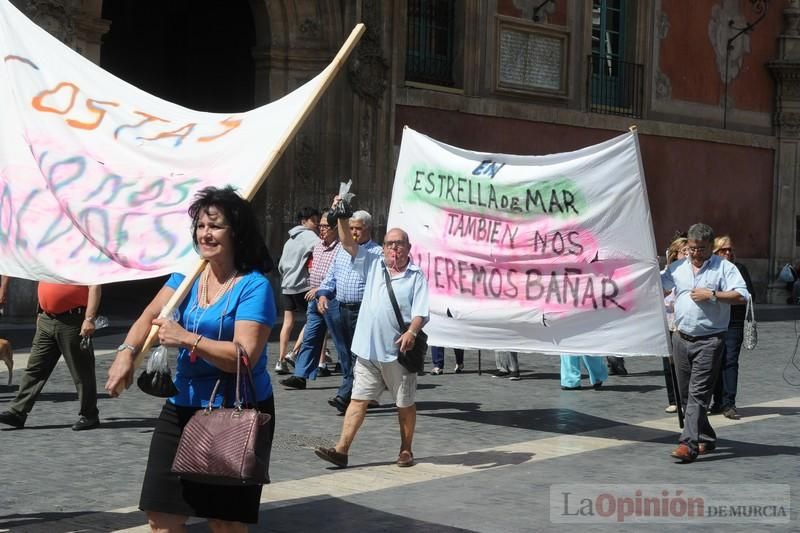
354, 305
689, 338
73, 311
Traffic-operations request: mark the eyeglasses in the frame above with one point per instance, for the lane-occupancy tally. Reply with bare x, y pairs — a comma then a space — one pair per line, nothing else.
695, 249
725, 251
395, 244
323, 226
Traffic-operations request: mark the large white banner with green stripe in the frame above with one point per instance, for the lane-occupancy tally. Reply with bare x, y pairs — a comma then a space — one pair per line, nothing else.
551, 254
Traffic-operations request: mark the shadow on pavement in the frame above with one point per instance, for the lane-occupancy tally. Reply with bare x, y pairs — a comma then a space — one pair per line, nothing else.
105, 423
630, 388
565, 421
744, 412
480, 460
74, 521
732, 449
443, 405
334, 514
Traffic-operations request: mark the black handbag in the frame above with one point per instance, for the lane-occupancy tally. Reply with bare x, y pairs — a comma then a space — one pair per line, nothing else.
414, 359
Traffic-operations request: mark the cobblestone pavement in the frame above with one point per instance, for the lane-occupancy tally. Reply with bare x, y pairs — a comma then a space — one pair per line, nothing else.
489, 450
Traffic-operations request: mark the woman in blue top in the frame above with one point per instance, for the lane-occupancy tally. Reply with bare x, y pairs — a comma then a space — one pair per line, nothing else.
230, 301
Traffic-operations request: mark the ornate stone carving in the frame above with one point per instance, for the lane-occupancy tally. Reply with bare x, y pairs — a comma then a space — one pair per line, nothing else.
791, 18
789, 124
57, 17
662, 25
724, 16
365, 138
529, 6
303, 159
663, 86
368, 68
310, 28
790, 89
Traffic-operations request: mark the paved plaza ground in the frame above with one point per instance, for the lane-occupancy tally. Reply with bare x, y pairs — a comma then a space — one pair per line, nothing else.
489, 450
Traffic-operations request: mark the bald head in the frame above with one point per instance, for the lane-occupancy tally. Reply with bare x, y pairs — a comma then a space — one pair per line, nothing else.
396, 234
396, 247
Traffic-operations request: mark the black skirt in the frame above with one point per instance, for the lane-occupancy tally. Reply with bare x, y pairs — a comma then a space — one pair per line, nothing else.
165, 492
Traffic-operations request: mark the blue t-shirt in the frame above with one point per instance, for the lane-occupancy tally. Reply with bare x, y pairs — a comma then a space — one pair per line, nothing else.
250, 298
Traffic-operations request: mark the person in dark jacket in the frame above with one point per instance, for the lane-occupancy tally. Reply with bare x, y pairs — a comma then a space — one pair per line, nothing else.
727, 379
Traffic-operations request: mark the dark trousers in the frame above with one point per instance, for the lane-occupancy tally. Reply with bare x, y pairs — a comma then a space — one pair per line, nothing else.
437, 356
54, 337
307, 361
341, 320
697, 363
668, 378
728, 375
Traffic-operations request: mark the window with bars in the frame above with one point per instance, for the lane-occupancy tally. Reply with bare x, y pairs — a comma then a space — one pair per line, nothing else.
431, 42
615, 85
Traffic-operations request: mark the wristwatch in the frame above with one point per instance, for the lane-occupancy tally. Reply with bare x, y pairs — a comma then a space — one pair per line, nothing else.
713, 295
125, 346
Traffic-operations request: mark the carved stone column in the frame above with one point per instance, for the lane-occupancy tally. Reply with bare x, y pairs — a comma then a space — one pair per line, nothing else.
57, 17
368, 74
786, 193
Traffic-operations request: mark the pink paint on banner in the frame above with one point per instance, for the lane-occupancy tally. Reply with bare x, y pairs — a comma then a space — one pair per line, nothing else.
501, 239
560, 288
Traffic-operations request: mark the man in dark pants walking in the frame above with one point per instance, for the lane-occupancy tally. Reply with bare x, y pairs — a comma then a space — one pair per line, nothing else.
339, 300
67, 318
705, 287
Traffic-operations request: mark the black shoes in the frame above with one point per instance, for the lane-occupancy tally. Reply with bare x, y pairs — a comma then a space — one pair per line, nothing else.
339, 403
323, 372
730, 412
616, 366
85, 423
514, 376
294, 382
597, 385
12, 419
500, 374
577, 387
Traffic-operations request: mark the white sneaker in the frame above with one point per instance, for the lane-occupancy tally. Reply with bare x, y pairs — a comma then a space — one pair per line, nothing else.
289, 358
436, 371
458, 369
281, 367
671, 409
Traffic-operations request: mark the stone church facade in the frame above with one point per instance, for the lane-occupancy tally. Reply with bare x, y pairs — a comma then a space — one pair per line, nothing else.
714, 90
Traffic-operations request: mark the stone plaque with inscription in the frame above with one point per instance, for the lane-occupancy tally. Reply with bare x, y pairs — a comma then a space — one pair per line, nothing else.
530, 61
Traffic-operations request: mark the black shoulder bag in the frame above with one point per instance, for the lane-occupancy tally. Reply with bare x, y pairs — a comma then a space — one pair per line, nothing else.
414, 359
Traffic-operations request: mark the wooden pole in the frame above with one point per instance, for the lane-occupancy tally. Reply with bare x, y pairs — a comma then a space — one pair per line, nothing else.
261, 176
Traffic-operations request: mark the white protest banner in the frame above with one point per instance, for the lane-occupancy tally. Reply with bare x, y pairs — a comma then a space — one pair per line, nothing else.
551, 254
96, 175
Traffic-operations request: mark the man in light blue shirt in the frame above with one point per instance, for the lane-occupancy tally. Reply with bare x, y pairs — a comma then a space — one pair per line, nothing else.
705, 287
339, 301
379, 338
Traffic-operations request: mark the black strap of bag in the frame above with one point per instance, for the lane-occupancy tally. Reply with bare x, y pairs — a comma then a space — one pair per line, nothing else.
393, 298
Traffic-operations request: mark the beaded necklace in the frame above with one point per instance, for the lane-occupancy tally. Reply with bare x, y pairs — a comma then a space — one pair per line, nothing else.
203, 296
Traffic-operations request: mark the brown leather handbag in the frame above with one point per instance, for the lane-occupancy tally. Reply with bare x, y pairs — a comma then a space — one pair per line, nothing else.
226, 446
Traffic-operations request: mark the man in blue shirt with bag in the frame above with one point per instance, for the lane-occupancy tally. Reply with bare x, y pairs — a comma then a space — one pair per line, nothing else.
379, 338
706, 286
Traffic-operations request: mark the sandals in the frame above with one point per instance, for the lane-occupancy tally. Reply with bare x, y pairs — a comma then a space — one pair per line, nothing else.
405, 459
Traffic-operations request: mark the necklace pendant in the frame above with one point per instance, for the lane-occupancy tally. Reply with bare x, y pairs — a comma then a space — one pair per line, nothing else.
192, 357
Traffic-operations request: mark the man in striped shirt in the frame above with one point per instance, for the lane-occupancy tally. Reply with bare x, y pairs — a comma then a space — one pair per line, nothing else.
339, 300
307, 363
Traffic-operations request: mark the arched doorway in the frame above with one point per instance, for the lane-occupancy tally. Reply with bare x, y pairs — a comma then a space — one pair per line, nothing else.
196, 53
